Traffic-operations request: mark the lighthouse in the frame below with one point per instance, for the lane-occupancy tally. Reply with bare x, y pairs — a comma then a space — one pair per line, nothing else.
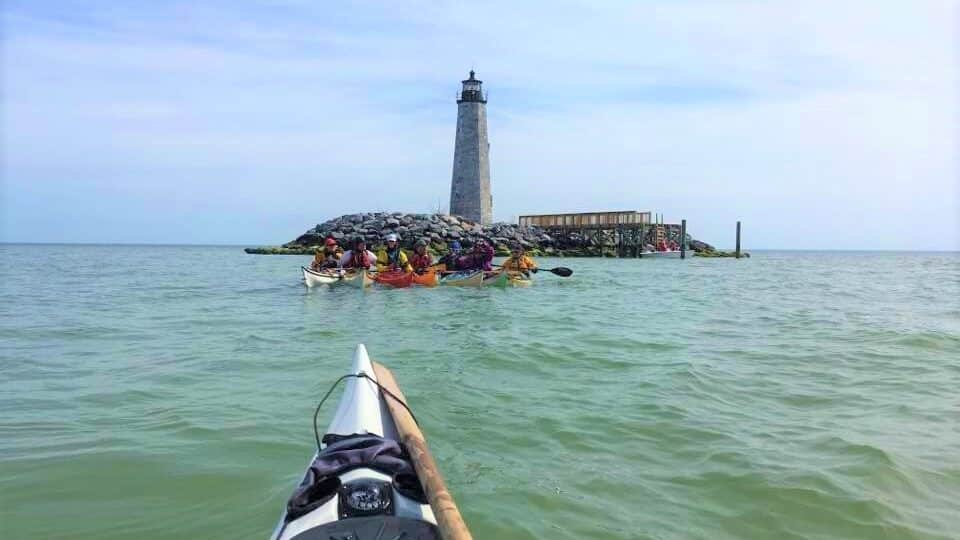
470, 195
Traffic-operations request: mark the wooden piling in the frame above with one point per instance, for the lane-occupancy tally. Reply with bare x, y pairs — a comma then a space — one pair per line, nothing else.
738, 239
683, 239
643, 238
623, 243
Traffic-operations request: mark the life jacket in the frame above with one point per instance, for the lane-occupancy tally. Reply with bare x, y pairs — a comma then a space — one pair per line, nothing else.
449, 261
521, 264
420, 261
477, 260
393, 257
355, 261
389, 260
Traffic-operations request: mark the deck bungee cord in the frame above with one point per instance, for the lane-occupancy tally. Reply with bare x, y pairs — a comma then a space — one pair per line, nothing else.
361, 375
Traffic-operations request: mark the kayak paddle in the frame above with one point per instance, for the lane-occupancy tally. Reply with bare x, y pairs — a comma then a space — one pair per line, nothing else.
561, 271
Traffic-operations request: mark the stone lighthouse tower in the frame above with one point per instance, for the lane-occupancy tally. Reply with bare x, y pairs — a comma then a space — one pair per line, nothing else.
470, 196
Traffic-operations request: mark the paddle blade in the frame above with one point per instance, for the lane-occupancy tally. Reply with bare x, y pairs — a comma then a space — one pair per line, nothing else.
561, 271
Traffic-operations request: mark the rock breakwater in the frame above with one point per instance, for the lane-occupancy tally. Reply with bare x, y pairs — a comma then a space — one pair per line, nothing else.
439, 230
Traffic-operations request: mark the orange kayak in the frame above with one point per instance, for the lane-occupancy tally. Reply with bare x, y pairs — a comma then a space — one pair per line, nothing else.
395, 279
427, 279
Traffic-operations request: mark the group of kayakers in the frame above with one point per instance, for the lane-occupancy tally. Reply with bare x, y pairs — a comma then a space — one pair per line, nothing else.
393, 258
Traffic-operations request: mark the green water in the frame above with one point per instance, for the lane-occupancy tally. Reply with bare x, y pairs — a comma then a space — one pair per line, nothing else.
166, 392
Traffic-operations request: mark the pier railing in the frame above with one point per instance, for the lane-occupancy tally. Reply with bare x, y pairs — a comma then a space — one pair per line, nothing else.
587, 220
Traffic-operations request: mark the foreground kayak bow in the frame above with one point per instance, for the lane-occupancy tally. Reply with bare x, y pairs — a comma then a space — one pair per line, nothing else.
373, 476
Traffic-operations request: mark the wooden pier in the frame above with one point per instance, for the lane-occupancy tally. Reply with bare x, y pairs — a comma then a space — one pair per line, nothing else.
626, 232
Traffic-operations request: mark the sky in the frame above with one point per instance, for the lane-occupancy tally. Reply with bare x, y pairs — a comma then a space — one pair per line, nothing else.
818, 124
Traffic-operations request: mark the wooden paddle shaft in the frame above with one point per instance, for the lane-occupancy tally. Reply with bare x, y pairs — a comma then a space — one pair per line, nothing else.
449, 521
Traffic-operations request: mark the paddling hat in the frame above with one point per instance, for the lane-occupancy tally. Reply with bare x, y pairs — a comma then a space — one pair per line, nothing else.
422, 242
331, 242
391, 237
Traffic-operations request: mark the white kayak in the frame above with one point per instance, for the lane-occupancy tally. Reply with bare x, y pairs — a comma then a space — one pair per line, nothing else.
364, 501
313, 278
661, 254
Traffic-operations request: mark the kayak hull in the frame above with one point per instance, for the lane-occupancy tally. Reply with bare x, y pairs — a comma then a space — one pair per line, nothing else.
361, 411
660, 254
397, 280
500, 279
358, 278
313, 278
426, 279
519, 280
463, 279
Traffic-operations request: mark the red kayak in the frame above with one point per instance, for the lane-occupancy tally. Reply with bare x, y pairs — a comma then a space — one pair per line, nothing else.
395, 279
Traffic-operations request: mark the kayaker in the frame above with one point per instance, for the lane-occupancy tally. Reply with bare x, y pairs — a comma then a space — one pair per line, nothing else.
519, 262
480, 258
420, 260
392, 257
449, 261
328, 256
358, 257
